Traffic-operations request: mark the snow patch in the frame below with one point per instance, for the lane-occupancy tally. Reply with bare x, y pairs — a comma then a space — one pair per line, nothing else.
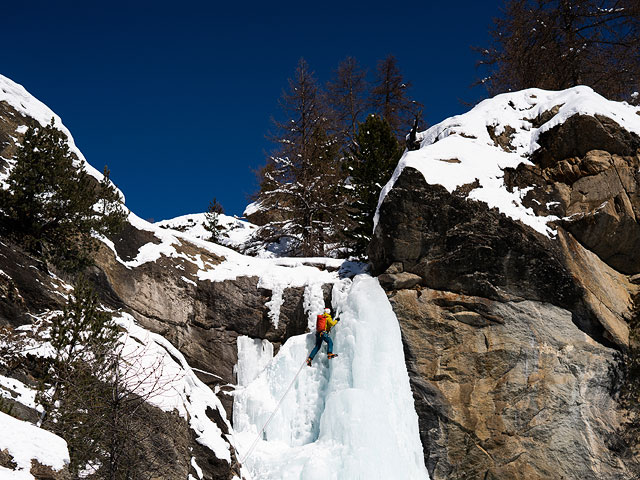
13, 389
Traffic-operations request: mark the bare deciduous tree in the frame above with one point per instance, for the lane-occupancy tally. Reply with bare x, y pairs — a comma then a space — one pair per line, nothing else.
557, 44
300, 181
390, 99
346, 94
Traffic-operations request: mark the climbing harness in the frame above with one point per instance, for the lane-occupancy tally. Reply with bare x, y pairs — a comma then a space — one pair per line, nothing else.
259, 436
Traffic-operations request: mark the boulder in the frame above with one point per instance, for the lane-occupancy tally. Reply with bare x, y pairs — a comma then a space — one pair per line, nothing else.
396, 281
581, 133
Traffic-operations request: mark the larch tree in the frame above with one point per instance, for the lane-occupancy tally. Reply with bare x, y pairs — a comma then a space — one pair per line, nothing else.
557, 44
347, 96
299, 185
390, 98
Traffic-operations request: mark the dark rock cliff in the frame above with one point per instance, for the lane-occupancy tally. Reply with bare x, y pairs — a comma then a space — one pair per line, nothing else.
512, 338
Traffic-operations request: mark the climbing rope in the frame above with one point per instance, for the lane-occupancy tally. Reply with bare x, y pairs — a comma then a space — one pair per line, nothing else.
259, 436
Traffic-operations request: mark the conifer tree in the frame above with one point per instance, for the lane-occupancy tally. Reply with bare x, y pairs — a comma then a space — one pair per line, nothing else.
346, 94
212, 220
49, 203
83, 338
112, 214
371, 165
300, 183
557, 44
389, 98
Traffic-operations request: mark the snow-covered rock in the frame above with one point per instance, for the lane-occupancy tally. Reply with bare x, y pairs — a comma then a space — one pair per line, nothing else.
30, 450
474, 149
234, 232
517, 224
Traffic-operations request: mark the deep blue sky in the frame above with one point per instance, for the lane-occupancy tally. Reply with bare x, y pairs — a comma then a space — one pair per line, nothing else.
176, 97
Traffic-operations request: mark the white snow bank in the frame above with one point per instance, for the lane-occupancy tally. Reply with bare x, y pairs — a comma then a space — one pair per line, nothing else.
459, 150
352, 417
26, 442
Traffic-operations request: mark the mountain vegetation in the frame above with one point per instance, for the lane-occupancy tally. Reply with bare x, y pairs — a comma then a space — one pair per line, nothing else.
314, 184
557, 44
374, 156
52, 206
212, 220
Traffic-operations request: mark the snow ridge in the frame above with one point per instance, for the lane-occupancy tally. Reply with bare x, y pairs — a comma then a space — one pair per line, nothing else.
25, 103
460, 150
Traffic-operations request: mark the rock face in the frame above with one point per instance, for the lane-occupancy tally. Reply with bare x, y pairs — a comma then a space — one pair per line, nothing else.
203, 319
587, 172
507, 389
513, 338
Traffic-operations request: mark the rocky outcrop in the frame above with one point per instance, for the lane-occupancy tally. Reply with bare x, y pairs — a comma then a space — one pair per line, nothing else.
507, 390
512, 338
596, 195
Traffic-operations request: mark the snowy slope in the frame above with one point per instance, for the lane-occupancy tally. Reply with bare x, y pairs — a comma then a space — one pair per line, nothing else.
235, 232
25, 442
25, 103
460, 149
349, 418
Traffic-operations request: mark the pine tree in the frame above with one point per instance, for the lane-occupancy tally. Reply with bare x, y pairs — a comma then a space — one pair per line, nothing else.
49, 203
112, 214
83, 338
371, 165
300, 182
557, 44
389, 98
212, 220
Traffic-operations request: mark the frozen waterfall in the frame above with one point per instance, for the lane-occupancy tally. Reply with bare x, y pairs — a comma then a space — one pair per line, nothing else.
352, 417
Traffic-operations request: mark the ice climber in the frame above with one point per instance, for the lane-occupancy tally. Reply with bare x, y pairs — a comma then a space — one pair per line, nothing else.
324, 324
